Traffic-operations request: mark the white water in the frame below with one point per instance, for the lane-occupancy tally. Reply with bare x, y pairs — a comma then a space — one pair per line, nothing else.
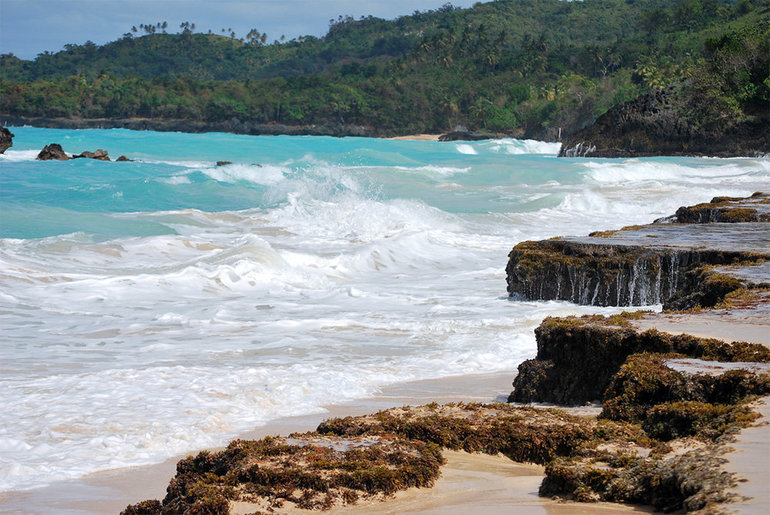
131, 334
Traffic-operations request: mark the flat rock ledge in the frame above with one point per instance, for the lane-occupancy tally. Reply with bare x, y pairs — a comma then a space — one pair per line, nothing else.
669, 263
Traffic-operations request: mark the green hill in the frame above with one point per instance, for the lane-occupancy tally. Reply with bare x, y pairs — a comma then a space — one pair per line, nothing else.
522, 67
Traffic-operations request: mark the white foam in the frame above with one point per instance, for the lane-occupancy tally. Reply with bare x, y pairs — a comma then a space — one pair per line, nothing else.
129, 350
466, 149
527, 146
258, 174
19, 155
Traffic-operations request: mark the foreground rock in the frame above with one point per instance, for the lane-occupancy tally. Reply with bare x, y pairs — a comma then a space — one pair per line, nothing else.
577, 358
652, 125
51, 152
6, 139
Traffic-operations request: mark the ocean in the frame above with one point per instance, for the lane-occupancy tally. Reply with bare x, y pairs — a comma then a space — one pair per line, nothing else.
165, 305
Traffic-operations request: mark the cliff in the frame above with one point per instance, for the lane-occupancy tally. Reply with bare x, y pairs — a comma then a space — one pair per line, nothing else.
654, 124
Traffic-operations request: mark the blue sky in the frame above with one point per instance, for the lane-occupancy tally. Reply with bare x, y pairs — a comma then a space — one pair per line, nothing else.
29, 27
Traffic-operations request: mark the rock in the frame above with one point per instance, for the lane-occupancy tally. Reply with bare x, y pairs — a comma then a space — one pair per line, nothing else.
123, 158
652, 125
725, 210
99, 154
52, 151
223, 163
466, 135
577, 358
6, 139
643, 265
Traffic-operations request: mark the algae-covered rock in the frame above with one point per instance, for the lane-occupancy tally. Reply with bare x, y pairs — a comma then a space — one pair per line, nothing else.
578, 357
523, 434
691, 481
755, 208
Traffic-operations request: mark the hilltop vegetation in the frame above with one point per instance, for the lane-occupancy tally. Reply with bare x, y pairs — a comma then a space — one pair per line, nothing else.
522, 67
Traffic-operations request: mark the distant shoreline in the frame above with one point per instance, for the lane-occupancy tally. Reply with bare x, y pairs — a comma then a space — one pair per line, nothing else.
235, 126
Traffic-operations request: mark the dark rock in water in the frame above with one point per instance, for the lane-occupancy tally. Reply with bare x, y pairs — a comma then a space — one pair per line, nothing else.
99, 154
6, 139
223, 163
653, 125
123, 158
52, 151
466, 135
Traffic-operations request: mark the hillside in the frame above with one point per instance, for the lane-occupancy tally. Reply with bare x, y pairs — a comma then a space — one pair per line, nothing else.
523, 67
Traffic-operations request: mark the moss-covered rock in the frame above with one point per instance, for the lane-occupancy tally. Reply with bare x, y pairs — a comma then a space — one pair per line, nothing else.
578, 356
309, 471
649, 264
727, 210
692, 481
523, 434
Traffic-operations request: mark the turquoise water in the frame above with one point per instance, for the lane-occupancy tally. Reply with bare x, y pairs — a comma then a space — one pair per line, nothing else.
160, 306
175, 172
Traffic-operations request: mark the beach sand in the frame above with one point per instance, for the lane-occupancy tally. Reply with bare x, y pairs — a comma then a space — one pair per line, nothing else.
417, 137
493, 484
469, 482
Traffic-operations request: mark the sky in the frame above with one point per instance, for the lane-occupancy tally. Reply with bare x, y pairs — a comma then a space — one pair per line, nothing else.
29, 27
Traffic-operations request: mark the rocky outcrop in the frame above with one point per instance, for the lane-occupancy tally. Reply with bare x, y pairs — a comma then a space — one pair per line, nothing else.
99, 155
463, 134
578, 357
6, 139
123, 159
724, 210
52, 151
652, 125
644, 265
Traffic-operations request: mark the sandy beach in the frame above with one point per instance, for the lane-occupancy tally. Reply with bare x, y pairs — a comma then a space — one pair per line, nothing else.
417, 137
500, 483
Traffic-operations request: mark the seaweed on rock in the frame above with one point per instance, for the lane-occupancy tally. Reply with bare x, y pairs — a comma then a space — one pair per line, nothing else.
578, 356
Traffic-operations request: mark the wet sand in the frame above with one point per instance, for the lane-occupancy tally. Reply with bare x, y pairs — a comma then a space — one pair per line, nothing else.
750, 460
469, 482
474, 483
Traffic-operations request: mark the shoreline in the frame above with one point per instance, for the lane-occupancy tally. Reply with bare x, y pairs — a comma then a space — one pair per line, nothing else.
466, 476
198, 127
110, 491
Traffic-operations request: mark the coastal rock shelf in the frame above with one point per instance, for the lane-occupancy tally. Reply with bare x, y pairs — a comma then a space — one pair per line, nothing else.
643, 265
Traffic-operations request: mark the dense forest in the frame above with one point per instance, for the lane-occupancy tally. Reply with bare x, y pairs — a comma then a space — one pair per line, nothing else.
521, 67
